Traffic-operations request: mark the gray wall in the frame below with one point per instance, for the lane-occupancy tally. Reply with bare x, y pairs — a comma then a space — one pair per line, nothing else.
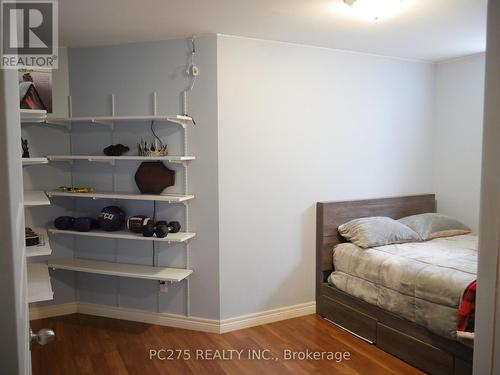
298, 125
458, 131
60, 85
280, 127
132, 73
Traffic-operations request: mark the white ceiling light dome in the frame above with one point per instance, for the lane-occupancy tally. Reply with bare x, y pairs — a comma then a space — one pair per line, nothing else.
372, 10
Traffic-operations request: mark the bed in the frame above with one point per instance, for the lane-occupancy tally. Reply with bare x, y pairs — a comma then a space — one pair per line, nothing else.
408, 336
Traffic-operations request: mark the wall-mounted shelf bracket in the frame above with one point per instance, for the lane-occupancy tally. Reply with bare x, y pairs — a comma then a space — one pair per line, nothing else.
163, 286
101, 160
111, 124
57, 121
182, 120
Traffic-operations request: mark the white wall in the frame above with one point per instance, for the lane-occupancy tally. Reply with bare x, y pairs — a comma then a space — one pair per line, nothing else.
458, 137
298, 125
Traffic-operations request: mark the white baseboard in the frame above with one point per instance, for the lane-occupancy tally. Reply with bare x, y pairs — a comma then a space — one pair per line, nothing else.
41, 312
172, 320
269, 316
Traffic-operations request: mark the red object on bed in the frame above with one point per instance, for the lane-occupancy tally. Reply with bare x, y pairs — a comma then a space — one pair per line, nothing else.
466, 312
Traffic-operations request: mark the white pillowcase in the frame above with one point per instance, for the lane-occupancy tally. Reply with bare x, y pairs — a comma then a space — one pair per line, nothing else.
377, 231
432, 225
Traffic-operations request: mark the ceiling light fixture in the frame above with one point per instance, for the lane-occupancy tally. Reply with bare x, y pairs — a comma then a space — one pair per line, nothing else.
374, 9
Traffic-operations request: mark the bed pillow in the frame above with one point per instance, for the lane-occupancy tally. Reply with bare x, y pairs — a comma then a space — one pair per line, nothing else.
377, 231
432, 225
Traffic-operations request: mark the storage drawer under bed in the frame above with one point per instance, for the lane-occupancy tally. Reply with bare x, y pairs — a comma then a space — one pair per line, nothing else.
416, 352
410, 349
352, 320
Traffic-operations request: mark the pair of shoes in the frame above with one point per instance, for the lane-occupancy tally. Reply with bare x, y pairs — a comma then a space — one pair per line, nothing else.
115, 150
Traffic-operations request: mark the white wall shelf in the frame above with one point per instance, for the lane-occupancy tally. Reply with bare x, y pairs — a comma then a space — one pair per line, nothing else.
32, 112
103, 120
112, 159
121, 269
169, 198
32, 115
34, 161
39, 287
39, 279
43, 248
34, 198
178, 237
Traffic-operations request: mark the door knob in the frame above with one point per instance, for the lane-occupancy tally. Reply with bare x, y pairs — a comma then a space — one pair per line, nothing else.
44, 336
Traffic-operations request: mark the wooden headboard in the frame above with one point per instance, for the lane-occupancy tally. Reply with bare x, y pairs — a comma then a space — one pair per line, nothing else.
329, 215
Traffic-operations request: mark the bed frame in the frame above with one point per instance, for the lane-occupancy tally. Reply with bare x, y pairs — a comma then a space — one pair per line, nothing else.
404, 339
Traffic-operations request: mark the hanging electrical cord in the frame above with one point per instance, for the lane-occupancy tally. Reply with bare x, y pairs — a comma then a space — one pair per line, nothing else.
193, 72
155, 135
192, 69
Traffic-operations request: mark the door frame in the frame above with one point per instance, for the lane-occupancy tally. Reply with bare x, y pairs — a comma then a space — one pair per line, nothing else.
487, 343
14, 316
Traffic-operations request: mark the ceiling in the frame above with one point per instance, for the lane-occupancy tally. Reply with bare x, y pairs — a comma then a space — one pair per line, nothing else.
430, 30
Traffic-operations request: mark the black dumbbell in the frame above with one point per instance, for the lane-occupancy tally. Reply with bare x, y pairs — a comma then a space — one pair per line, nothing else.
148, 229
163, 229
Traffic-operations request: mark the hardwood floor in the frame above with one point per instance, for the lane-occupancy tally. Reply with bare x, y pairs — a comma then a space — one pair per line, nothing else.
87, 345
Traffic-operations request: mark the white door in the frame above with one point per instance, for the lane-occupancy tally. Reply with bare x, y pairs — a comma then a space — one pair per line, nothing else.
14, 324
